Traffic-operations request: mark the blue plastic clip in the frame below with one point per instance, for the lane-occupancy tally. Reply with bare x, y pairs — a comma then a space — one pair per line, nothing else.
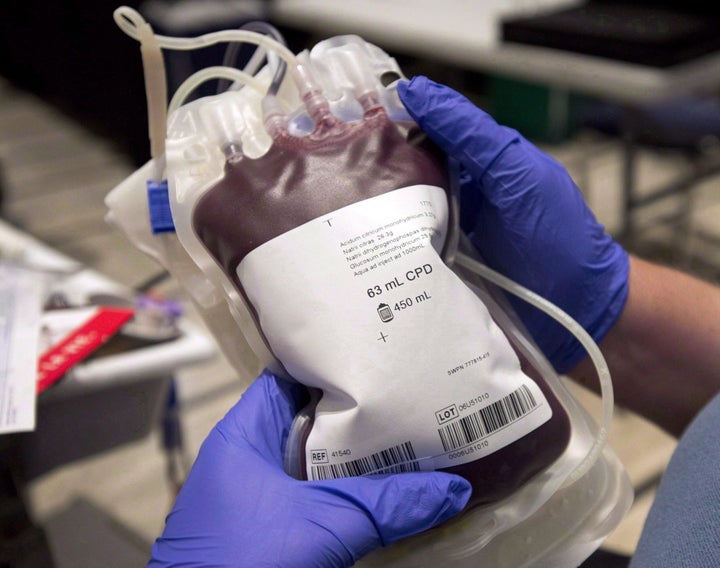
161, 220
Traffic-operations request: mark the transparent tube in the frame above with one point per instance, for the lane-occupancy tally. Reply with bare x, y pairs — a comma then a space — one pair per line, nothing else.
130, 21
580, 334
258, 56
207, 74
156, 96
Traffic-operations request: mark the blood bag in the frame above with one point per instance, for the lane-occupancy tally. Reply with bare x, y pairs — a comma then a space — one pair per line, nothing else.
313, 213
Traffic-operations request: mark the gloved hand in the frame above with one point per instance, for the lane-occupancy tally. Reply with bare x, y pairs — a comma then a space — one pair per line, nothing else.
527, 219
239, 508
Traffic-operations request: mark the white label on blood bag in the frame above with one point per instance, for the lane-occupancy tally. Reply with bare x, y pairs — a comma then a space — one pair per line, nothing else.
414, 372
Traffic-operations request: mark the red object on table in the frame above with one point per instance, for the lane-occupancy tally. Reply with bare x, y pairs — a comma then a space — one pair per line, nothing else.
80, 343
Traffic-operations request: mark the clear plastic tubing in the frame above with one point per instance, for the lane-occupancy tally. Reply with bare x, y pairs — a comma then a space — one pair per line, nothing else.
606, 389
130, 21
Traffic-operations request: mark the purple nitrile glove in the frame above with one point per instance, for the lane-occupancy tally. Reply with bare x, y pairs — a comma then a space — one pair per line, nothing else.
239, 508
527, 219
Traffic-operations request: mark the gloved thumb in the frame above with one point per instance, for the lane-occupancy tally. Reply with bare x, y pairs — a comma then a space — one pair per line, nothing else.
469, 134
398, 505
429, 499
455, 124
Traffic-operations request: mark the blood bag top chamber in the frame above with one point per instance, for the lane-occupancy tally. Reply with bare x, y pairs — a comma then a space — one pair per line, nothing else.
313, 222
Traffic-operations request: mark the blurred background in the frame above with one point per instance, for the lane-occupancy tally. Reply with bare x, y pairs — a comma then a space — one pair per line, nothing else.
638, 133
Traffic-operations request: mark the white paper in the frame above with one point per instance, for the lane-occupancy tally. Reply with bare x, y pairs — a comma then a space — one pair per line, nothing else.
21, 297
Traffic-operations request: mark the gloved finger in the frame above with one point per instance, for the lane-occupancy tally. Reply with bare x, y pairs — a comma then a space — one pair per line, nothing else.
397, 505
263, 415
476, 140
527, 218
497, 156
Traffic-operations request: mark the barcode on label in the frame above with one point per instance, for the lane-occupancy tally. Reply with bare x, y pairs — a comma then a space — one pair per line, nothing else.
398, 459
487, 420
